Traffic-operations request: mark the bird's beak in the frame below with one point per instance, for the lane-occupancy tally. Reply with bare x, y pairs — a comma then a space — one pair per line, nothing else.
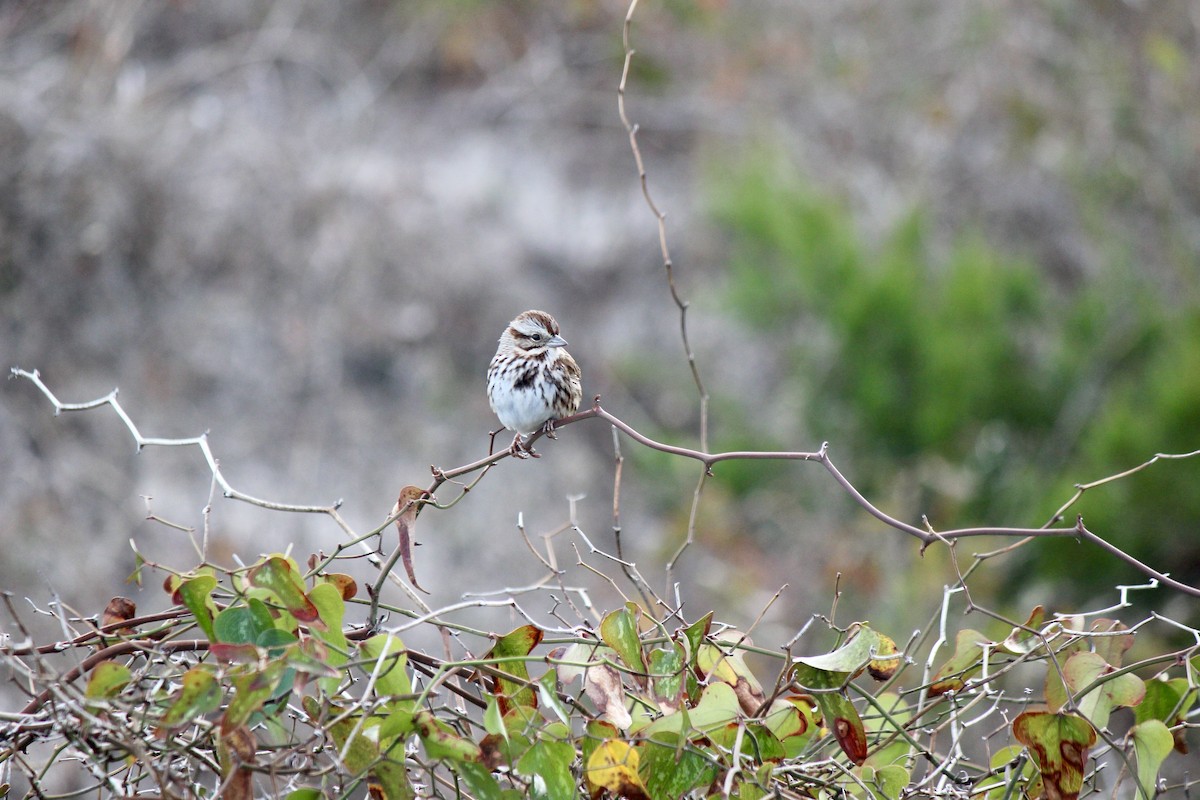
556, 341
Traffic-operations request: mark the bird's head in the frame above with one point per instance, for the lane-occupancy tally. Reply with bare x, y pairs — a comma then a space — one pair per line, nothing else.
533, 332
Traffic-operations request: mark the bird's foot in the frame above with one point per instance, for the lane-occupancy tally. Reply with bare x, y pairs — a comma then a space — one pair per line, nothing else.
519, 449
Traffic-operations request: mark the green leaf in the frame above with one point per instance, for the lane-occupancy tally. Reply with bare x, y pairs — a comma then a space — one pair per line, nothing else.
1152, 743
962, 666
305, 794
398, 723
196, 594
243, 624
850, 657
1009, 784
362, 752
277, 575
885, 724
885, 783
479, 780
694, 634
1025, 639
670, 768
717, 708
492, 721
199, 695
441, 741
1164, 701
392, 779
668, 668
619, 630
551, 761
515, 644
107, 680
331, 609
1080, 671
1059, 745
251, 690
387, 659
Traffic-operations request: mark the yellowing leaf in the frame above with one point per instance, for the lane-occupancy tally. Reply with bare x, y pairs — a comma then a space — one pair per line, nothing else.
613, 767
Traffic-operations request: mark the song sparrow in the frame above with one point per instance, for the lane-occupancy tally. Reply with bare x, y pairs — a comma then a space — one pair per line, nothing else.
532, 380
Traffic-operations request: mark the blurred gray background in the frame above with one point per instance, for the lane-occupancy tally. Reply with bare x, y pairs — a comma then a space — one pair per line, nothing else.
301, 226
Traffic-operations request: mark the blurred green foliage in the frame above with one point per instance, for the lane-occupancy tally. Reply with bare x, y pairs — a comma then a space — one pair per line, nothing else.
965, 368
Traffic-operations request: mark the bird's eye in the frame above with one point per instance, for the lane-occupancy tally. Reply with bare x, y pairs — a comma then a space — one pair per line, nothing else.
537, 337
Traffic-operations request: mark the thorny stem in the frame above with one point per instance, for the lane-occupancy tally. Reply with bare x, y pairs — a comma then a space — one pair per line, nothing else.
708, 460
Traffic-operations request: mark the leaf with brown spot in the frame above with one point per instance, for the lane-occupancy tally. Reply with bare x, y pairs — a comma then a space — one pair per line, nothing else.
119, 609
613, 767
345, 584
515, 692
885, 663
839, 714
1059, 745
407, 507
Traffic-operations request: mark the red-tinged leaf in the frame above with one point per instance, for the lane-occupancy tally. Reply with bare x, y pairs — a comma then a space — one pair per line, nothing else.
199, 695
236, 653
619, 630
962, 666
837, 711
667, 684
118, 610
886, 660
1059, 745
277, 576
408, 506
515, 645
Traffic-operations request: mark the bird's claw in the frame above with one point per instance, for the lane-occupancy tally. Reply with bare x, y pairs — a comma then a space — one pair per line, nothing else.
519, 449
